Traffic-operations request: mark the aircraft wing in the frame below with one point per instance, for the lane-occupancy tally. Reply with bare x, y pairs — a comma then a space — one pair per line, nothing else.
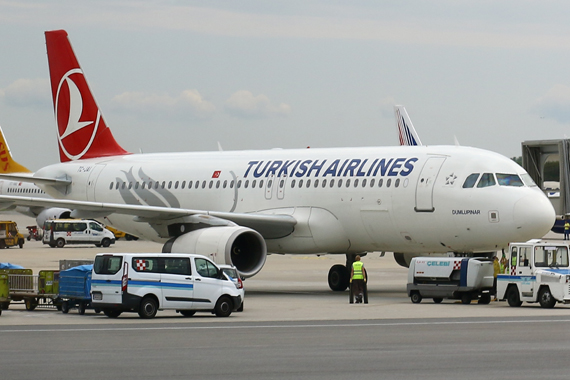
37, 180
270, 226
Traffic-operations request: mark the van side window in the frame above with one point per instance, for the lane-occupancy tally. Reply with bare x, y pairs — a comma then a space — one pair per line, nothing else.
177, 266
107, 264
206, 269
78, 227
95, 226
145, 264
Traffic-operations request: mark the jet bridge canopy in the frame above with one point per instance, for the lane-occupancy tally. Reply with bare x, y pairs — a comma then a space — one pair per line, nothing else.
548, 163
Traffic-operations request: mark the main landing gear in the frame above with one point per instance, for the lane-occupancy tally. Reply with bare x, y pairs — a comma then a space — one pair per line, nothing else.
339, 275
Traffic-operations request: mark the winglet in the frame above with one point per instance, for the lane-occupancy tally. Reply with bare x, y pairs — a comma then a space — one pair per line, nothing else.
7, 163
81, 129
406, 131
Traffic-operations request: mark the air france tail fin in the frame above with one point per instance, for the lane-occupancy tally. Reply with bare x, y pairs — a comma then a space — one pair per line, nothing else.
81, 129
7, 163
406, 132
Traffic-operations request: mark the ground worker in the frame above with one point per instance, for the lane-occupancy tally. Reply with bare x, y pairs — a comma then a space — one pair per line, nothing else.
566, 230
357, 278
504, 263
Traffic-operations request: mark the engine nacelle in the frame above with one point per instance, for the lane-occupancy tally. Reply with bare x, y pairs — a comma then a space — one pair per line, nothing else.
52, 213
239, 246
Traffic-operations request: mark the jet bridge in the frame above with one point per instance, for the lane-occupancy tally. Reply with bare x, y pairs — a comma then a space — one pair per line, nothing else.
548, 163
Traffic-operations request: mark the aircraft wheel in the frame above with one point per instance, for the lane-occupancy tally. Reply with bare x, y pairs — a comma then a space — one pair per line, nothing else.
112, 313
187, 313
65, 307
338, 278
437, 300
466, 298
485, 299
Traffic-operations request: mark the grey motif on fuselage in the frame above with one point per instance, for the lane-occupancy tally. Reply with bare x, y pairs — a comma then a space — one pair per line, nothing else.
149, 195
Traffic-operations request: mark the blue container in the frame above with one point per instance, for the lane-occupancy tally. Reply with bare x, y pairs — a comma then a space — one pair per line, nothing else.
75, 283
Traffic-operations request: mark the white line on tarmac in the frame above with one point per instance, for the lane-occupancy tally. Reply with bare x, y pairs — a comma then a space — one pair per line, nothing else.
379, 324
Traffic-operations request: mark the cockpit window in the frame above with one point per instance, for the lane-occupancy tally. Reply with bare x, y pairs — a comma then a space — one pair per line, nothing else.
509, 180
487, 179
470, 181
528, 180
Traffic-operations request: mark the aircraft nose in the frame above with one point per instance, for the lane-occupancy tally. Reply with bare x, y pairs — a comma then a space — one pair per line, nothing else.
534, 216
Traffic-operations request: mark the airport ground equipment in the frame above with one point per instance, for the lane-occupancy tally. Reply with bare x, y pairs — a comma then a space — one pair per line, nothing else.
34, 233
537, 271
75, 288
9, 235
60, 232
4, 291
41, 290
67, 264
466, 279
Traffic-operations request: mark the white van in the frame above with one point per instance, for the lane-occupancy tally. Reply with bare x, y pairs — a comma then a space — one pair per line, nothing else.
59, 232
148, 282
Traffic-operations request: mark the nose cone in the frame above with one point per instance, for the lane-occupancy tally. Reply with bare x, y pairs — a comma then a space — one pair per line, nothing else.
534, 216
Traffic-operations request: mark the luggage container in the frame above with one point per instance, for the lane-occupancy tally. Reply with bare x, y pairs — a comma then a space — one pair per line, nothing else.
67, 264
75, 288
448, 277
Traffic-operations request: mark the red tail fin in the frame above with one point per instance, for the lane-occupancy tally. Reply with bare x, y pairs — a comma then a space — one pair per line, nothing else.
81, 130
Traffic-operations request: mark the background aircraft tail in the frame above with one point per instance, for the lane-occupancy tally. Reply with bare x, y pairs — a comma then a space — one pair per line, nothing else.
81, 129
7, 163
406, 131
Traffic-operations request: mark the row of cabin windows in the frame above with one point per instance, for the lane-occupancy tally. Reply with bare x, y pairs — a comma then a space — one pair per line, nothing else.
254, 183
25, 190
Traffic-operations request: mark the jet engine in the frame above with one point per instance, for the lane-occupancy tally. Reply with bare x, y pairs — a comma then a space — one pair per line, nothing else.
52, 213
239, 246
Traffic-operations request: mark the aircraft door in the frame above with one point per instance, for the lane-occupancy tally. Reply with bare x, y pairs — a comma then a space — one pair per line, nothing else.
92, 181
269, 185
426, 181
282, 182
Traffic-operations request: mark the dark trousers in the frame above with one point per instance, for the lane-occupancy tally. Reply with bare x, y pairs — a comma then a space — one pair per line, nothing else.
357, 287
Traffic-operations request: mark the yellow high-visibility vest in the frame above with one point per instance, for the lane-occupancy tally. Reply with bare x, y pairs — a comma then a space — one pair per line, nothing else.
357, 270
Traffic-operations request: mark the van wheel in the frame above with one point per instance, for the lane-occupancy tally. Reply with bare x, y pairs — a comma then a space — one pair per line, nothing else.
416, 297
148, 308
112, 313
513, 297
60, 243
545, 298
223, 307
106, 242
187, 313
65, 307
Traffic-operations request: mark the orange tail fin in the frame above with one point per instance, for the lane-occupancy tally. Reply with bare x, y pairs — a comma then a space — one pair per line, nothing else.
7, 163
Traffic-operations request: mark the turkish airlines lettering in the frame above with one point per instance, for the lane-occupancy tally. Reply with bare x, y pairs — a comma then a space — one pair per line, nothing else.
237, 207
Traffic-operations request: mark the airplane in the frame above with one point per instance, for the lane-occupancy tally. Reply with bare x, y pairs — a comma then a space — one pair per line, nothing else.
238, 206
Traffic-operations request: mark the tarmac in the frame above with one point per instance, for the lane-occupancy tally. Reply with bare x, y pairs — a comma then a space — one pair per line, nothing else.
288, 288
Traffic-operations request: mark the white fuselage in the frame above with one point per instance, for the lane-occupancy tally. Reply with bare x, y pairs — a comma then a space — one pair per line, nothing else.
400, 199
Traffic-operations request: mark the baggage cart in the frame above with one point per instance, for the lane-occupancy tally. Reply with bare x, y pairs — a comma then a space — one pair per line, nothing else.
75, 288
41, 290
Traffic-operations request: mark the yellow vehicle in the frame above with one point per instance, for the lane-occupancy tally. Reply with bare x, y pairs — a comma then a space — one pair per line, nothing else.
118, 234
9, 235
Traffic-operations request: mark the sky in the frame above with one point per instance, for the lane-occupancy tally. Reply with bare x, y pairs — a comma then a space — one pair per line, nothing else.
186, 75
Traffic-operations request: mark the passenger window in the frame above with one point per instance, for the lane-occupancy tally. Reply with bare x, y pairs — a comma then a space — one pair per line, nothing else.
487, 179
177, 266
509, 180
470, 181
146, 264
79, 227
95, 226
107, 264
206, 269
